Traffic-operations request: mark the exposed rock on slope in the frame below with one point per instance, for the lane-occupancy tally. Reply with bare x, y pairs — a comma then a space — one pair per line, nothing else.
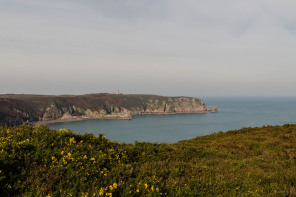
15, 109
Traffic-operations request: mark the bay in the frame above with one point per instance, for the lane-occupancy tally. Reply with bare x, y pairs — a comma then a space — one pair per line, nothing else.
234, 113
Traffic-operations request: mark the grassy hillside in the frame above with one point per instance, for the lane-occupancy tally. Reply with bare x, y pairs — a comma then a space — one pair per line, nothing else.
37, 161
89, 101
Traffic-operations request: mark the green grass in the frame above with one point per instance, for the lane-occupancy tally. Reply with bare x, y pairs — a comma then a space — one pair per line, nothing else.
37, 161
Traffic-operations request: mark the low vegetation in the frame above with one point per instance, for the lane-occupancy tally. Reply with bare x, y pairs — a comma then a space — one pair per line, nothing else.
37, 161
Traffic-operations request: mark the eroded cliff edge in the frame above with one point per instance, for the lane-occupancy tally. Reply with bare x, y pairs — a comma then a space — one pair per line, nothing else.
16, 109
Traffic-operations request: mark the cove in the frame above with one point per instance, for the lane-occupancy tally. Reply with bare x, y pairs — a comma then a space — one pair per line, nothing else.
234, 113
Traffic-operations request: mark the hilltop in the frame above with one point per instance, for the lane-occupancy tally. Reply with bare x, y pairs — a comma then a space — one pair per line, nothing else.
19, 108
37, 161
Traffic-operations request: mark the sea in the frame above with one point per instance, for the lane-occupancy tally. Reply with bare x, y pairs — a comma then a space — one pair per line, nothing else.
234, 113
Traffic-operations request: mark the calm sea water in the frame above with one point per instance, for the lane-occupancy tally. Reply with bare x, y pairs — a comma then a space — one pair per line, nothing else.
234, 113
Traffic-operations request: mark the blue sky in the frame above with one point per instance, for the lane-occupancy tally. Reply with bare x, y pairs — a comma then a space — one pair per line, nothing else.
166, 47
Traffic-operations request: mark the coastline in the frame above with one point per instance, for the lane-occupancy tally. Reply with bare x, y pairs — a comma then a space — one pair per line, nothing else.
116, 117
76, 118
67, 108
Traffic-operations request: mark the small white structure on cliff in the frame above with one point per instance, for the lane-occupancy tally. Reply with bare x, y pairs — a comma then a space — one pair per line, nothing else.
117, 92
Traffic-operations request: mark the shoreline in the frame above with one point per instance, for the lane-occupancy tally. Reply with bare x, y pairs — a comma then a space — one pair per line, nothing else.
76, 119
81, 118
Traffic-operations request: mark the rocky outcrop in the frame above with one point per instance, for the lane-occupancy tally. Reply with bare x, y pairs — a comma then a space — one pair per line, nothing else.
15, 109
214, 109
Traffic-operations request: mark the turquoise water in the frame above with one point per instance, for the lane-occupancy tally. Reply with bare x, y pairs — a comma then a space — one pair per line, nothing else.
234, 113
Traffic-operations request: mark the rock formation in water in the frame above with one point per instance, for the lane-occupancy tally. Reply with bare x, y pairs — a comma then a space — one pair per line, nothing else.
16, 109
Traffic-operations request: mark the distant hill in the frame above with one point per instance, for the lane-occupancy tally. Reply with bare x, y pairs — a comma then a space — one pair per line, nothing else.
18, 108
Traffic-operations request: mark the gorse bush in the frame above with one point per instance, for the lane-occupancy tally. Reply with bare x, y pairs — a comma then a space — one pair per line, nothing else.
37, 161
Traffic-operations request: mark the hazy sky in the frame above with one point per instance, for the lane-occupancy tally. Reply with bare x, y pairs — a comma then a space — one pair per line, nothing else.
166, 47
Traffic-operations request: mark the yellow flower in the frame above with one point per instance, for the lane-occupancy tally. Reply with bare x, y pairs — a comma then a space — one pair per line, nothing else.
72, 140
115, 185
92, 159
62, 152
138, 190
69, 154
85, 194
85, 157
146, 186
101, 192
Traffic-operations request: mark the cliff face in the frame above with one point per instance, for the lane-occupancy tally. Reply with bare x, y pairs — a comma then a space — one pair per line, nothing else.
170, 105
16, 109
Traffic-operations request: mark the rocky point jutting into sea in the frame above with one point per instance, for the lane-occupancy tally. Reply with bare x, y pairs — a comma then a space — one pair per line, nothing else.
18, 108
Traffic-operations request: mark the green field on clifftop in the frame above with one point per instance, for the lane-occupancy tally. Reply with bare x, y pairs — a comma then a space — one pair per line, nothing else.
37, 161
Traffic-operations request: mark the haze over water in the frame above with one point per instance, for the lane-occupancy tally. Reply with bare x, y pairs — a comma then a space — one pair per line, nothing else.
234, 113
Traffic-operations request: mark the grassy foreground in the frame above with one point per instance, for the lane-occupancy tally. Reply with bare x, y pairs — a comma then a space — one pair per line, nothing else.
37, 161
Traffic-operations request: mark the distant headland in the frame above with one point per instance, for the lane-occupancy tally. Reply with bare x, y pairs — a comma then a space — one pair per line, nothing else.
44, 109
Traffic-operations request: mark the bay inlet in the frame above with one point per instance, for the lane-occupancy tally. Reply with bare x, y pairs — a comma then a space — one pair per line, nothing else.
234, 113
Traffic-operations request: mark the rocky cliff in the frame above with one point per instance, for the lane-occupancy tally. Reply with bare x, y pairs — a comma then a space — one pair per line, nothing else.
16, 109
